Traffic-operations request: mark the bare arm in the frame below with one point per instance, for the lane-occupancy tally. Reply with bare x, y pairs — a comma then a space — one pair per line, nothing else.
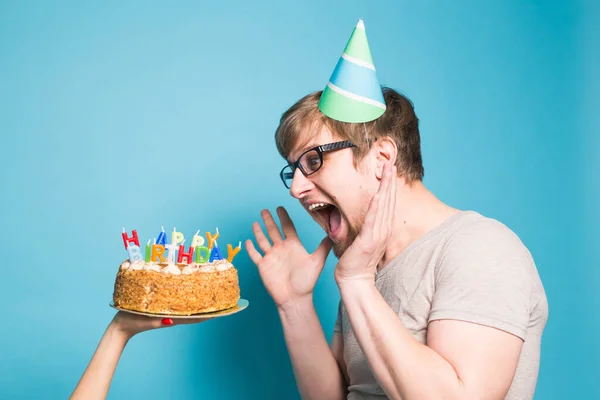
289, 274
463, 360
317, 372
96, 380
337, 348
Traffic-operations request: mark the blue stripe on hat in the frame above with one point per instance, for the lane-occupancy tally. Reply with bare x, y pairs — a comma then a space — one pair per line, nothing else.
357, 79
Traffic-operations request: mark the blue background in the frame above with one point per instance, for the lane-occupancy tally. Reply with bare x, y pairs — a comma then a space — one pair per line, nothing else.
141, 114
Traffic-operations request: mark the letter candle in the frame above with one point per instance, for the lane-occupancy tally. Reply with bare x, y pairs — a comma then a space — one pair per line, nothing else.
182, 254
176, 237
197, 240
133, 238
162, 237
211, 238
231, 253
215, 253
198, 252
135, 254
148, 251
172, 248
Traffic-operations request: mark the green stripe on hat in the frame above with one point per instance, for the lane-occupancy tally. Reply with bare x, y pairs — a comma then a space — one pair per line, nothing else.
346, 109
358, 45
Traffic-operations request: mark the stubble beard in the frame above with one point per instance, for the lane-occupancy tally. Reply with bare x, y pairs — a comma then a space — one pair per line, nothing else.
353, 230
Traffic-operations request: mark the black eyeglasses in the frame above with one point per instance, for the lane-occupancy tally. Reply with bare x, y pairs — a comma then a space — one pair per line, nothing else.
311, 160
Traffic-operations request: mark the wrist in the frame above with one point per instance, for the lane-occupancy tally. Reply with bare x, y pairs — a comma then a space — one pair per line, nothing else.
356, 283
358, 293
294, 308
356, 280
117, 330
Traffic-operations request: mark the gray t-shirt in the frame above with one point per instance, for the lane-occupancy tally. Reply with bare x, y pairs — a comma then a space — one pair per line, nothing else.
469, 268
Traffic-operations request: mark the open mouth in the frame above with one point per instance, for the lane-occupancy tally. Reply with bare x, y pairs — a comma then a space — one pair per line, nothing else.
329, 215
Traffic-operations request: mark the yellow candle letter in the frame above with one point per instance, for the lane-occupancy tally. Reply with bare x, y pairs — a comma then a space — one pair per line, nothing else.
157, 253
211, 239
231, 252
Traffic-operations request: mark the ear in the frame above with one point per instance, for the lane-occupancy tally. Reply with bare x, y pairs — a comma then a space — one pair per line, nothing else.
384, 151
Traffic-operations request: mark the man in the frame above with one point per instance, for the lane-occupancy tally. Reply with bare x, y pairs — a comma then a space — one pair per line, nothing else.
436, 303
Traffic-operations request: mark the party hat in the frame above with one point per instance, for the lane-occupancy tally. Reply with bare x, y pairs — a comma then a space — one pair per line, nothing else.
353, 93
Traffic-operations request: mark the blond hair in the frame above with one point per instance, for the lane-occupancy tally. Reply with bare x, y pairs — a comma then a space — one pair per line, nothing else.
399, 122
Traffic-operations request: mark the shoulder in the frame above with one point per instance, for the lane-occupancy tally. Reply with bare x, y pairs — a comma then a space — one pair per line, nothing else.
477, 233
485, 274
484, 244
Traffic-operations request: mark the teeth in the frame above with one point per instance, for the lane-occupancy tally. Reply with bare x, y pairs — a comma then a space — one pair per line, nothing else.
316, 206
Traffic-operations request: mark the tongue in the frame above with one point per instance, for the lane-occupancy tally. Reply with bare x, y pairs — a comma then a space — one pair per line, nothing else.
335, 220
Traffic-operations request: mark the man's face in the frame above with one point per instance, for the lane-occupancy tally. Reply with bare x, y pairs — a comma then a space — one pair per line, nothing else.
337, 195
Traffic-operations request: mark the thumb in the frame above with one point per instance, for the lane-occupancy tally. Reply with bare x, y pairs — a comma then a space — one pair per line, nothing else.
320, 255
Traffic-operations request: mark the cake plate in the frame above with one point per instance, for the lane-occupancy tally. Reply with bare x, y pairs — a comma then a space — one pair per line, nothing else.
241, 305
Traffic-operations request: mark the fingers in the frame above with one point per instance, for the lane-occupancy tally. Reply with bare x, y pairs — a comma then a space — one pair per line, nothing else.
387, 195
271, 226
272, 230
167, 322
368, 225
252, 252
392, 198
289, 230
274, 234
323, 250
261, 239
377, 220
187, 321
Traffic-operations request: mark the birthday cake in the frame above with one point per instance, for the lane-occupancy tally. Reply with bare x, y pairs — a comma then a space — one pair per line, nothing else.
171, 280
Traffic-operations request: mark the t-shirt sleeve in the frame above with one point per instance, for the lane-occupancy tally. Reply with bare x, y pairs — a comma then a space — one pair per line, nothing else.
484, 276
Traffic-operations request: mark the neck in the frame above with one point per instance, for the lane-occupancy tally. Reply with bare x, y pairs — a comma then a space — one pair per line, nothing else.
417, 212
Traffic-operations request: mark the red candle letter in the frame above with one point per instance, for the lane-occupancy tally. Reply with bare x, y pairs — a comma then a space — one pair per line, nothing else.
183, 254
133, 238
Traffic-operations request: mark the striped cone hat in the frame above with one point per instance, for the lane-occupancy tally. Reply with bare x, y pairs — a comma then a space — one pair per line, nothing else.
353, 93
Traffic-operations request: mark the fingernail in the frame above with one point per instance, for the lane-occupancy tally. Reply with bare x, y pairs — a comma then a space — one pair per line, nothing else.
167, 321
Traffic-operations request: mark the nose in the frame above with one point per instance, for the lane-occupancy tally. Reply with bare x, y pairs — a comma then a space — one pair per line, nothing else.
301, 185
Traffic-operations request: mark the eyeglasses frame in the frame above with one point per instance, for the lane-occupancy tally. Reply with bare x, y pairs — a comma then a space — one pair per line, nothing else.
324, 148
